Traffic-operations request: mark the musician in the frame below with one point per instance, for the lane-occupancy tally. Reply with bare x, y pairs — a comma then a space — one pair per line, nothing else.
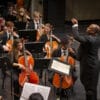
17, 52
22, 15
63, 52
19, 64
88, 57
36, 22
51, 41
8, 31
11, 13
65, 45
47, 34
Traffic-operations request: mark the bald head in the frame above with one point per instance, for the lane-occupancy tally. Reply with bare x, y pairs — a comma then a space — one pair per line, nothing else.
93, 29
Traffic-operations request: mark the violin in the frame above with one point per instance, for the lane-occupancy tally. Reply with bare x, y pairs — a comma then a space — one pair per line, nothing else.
64, 81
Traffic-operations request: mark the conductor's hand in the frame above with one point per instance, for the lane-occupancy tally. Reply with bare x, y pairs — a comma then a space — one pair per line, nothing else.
74, 21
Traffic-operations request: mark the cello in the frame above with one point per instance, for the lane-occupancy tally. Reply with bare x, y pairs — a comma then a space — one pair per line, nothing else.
50, 46
27, 75
64, 81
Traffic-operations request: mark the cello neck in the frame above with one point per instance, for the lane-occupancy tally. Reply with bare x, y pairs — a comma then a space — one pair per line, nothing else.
25, 56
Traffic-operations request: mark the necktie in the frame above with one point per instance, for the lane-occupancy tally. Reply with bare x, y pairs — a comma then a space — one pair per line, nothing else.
37, 25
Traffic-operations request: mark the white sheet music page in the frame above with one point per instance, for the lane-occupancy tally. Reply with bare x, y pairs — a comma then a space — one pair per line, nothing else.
30, 88
61, 67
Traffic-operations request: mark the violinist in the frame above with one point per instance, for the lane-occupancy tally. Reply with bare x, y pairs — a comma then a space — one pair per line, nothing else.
63, 54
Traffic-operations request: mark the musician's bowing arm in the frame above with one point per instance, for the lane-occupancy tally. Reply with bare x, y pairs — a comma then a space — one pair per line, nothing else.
20, 66
55, 37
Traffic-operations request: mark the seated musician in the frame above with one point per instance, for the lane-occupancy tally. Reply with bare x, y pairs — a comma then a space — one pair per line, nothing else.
7, 33
63, 52
36, 22
50, 40
47, 34
18, 67
8, 30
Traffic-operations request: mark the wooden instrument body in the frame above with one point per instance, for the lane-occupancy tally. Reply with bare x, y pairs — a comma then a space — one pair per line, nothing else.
27, 75
9, 44
50, 47
64, 81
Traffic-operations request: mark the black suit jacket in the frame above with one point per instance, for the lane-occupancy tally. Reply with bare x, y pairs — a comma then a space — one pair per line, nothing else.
88, 56
4, 38
57, 53
31, 25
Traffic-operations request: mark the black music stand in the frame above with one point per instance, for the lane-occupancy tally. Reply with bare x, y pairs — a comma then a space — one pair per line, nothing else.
29, 35
36, 48
20, 25
41, 65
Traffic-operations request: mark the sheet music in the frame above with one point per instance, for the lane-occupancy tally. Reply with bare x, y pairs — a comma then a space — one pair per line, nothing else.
29, 88
61, 67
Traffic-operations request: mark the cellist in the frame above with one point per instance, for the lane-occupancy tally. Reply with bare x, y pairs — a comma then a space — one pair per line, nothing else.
63, 54
51, 41
17, 67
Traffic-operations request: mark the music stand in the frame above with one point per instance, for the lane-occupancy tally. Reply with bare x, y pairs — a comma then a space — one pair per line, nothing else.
34, 47
41, 66
20, 25
29, 35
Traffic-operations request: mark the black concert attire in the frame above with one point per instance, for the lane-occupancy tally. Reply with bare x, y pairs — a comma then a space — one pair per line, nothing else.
5, 61
33, 25
4, 37
88, 57
44, 38
15, 76
64, 92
